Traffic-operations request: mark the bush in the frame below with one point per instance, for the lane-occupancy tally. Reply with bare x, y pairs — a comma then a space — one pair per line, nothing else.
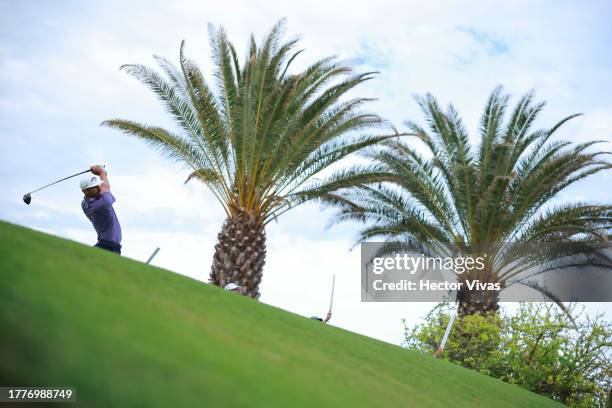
538, 348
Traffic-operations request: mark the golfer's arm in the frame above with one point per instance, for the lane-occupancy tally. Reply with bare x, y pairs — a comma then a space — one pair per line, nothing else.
101, 172
105, 186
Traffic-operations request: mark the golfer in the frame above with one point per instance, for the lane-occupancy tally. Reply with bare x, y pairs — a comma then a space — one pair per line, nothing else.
98, 207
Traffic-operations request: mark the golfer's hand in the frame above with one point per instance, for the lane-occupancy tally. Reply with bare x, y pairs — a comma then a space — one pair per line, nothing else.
100, 171
97, 170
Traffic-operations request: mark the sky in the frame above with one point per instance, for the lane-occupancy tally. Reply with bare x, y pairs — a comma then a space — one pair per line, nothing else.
60, 78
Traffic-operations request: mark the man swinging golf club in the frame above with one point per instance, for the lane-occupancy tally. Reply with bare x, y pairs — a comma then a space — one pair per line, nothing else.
98, 207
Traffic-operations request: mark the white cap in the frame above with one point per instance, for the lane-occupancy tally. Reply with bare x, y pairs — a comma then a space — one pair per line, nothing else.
231, 286
91, 181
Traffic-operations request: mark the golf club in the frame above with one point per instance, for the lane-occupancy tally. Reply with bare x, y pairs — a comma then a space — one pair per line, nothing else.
440, 349
331, 300
152, 255
27, 198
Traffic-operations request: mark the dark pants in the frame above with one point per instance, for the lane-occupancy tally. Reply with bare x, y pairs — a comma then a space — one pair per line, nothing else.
109, 246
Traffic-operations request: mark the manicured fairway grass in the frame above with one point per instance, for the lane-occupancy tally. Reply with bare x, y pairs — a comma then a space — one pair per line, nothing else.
126, 334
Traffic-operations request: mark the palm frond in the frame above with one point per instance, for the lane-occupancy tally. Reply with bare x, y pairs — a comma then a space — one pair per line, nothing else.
260, 131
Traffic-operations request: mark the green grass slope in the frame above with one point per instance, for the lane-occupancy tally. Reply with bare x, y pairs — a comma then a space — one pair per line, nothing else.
127, 334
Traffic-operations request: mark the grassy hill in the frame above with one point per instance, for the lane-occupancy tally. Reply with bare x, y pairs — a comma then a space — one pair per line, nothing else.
127, 334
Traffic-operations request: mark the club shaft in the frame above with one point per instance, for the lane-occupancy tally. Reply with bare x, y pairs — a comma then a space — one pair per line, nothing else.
55, 182
331, 300
153, 255
447, 332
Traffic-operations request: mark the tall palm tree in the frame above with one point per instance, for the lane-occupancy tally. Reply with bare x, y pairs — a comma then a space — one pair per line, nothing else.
495, 197
256, 137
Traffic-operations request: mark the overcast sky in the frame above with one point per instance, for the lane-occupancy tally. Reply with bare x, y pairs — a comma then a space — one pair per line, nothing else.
59, 79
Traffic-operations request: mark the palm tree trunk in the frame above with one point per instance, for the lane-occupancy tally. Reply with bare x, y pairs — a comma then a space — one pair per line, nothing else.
475, 301
240, 253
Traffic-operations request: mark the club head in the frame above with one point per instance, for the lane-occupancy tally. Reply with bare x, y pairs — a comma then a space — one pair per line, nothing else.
27, 199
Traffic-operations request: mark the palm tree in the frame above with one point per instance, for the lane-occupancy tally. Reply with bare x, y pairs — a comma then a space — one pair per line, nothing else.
493, 197
257, 137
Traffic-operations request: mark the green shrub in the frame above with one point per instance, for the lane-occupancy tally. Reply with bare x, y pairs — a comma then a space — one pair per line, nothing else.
538, 348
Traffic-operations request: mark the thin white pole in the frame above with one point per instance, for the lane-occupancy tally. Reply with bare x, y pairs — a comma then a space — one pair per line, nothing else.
153, 255
331, 300
445, 337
